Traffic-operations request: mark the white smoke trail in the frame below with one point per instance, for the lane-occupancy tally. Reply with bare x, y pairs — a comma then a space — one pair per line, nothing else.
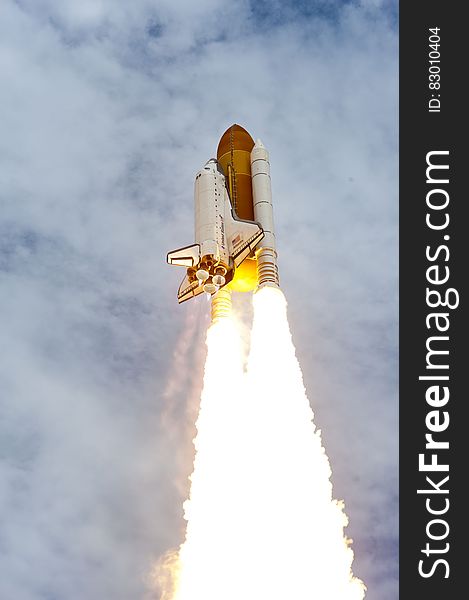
261, 520
297, 539
206, 557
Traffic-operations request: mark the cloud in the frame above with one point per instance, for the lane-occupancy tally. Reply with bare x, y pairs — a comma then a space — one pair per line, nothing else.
109, 109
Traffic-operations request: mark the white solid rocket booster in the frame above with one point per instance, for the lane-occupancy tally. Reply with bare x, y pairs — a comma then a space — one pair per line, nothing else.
263, 213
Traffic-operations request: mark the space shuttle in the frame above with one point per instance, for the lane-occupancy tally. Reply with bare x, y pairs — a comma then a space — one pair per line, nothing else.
234, 245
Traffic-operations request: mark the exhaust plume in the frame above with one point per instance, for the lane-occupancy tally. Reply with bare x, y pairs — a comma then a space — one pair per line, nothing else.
261, 519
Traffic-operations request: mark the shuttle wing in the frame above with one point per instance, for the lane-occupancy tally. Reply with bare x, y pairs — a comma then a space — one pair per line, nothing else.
185, 257
188, 290
243, 237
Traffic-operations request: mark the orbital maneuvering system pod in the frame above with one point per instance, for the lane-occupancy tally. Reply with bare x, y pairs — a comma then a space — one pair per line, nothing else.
234, 246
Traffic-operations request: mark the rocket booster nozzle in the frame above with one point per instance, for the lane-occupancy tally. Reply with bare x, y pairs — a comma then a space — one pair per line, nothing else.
221, 305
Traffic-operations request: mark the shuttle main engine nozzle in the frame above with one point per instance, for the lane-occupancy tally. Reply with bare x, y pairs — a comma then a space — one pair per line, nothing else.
210, 288
202, 275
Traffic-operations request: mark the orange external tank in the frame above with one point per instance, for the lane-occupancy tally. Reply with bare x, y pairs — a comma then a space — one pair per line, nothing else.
234, 156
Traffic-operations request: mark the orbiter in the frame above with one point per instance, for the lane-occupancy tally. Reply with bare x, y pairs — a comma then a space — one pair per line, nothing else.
234, 230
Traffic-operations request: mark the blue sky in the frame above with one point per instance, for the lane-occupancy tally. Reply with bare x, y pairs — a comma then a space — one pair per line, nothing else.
108, 110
